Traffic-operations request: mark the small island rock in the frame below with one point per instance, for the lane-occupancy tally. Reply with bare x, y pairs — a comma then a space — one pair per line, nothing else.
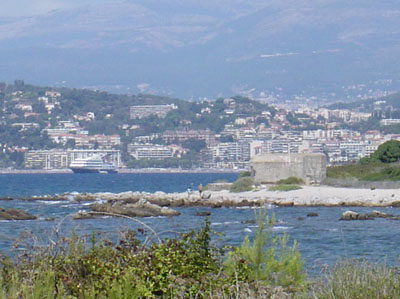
350, 215
15, 214
142, 208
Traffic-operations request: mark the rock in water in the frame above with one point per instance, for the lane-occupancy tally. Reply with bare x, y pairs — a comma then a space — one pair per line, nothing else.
378, 214
15, 214
142, 208
203, 213
350, 215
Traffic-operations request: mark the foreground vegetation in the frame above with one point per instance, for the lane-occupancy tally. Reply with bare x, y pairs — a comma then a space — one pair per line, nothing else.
184, 267
188, 266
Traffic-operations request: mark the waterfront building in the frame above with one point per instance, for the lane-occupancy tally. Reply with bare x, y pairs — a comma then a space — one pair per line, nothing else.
46, 159
61, 159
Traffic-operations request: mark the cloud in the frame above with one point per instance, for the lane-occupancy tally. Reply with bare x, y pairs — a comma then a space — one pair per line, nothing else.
278, 55
18, 8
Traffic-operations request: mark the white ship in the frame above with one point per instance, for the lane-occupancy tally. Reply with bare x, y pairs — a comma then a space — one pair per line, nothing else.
94, 164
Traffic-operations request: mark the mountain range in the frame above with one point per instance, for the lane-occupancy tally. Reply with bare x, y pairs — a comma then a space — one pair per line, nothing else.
207, 48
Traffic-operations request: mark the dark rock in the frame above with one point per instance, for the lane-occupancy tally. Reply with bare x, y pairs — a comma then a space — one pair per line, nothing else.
312, 214
206, 195
249, 222
140, 209
216, 205
300, 218
286, 204
204, 213
15, 214
6, 198
83, 216
396, 204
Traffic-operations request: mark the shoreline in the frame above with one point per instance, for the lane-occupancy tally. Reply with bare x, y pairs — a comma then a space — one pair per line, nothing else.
122, 171
308, 196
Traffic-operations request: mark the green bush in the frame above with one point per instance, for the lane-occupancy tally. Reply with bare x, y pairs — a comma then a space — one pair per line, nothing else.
290, 181
173, 268
267, 260
242, 184
185, 267
285, 188
387, 152
244, 174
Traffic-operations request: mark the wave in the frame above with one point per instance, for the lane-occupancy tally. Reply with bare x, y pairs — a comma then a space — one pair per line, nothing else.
51, 202
267, 206
282, 227
72, 205
224, 223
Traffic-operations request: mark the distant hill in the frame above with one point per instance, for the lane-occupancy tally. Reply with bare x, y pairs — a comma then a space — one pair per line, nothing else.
208, 48
391, 101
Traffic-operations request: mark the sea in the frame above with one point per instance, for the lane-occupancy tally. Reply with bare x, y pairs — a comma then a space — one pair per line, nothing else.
322, 240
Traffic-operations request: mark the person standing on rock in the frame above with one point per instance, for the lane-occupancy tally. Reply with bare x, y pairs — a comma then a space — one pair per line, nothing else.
200, 188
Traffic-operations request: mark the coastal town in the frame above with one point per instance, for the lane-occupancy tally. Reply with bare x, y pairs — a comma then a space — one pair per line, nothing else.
221, 134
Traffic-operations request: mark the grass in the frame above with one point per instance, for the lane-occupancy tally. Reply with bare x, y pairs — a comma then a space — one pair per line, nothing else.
291, 181
284, 187
358, 279
365, 172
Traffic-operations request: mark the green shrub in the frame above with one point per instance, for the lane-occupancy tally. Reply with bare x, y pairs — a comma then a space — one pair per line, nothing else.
244, 174
285, 188
185, 267
242, 184
358, 279
290, 181
387, 152
180, 267
266, 260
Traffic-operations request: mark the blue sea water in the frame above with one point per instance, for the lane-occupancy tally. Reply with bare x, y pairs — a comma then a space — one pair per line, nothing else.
321, 240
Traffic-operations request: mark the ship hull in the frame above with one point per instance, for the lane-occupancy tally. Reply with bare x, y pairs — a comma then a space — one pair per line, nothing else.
88, 170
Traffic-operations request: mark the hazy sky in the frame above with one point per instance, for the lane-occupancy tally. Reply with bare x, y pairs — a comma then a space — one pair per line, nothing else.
35, 7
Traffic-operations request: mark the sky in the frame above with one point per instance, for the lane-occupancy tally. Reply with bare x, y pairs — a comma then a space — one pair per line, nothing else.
17, 8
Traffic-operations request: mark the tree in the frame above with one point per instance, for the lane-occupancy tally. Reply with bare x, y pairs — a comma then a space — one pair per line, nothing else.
194, 145
387, 152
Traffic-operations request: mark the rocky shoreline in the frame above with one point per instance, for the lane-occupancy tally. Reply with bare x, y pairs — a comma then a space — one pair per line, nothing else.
144, 204
307, 196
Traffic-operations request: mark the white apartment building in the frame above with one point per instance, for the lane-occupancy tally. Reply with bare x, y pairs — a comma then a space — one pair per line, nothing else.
150, 151
61, 159
389, 121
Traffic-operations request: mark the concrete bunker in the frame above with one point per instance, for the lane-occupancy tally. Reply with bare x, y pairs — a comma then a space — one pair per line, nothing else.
270, 168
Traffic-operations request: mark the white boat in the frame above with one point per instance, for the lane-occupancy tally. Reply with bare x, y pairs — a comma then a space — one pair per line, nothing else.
94, 164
